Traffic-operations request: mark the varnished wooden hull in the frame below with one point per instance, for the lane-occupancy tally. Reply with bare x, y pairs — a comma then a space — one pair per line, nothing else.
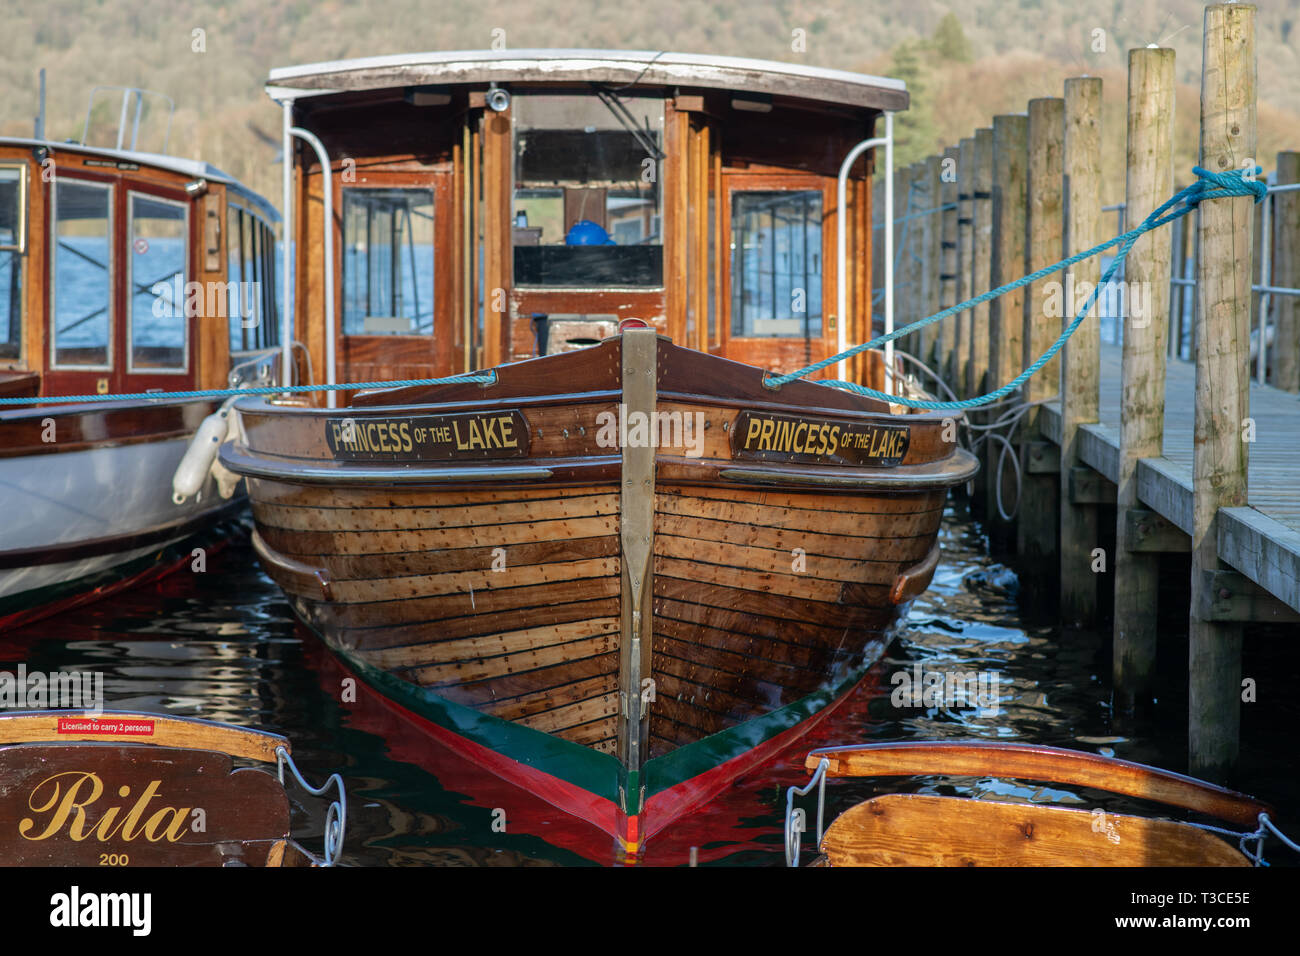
647, 621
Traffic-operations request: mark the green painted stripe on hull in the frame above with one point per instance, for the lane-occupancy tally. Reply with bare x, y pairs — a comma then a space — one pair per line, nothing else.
700, 756
597, 773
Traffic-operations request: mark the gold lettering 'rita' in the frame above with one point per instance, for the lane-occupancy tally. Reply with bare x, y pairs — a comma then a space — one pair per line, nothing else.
66, 796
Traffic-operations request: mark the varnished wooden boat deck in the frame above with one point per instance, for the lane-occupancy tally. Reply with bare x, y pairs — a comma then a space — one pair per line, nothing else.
1261, 541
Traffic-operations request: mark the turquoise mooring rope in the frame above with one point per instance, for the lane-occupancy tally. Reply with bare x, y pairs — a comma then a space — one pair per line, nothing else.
1207, 186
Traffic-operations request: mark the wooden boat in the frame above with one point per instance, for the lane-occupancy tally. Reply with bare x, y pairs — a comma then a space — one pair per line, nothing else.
621, 569
629, 625
903, 829
121, 272
135, 789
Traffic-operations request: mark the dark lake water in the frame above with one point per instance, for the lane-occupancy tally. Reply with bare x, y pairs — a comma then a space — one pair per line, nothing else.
224, 645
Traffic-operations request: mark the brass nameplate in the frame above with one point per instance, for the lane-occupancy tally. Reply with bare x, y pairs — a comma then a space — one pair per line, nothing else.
466, 436
761, 436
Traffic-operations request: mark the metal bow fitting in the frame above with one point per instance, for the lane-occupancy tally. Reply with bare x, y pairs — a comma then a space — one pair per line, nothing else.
336, 818
794, 825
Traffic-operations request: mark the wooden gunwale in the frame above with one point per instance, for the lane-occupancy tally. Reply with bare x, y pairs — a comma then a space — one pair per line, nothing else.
25, 727
1036, 762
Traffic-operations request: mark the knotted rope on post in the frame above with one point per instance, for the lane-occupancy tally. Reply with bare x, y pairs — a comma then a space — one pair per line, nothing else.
1208, 185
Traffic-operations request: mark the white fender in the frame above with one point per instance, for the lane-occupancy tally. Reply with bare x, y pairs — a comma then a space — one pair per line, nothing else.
193, 470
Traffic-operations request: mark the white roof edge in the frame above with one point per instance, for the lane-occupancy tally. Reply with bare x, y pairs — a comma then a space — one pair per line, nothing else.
177, 164
281, 79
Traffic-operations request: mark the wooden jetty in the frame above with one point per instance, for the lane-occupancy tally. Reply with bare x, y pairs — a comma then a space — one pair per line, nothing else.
1194, 454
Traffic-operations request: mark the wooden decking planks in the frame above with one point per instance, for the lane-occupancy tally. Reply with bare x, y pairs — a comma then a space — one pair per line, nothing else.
1261, 541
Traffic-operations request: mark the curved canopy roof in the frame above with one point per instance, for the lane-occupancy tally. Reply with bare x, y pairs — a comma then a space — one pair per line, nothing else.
616, 67
194, 168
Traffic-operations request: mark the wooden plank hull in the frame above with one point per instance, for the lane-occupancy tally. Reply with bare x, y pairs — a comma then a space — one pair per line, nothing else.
630, 622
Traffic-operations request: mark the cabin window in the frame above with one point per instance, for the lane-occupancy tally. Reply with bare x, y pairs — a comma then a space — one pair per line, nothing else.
776, 263
239, 335
13, 240
588, 191
387, 261
269, 333
250, 302
80, 295
159, 253
250, 299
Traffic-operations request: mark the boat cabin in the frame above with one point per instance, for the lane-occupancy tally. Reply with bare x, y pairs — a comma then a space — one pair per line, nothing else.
492, 206
129, 271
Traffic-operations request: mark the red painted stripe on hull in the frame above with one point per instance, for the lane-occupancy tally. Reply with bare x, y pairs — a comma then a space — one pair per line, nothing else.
558, 793
666, 806
631, 832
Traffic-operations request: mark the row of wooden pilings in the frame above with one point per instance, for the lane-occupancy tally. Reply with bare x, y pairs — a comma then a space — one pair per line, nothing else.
1026, 193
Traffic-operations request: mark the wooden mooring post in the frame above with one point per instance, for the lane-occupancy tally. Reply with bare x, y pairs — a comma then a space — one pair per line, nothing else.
1038, 527
1223, 294
1286, 274
1080, 365
1148, 183
978, 324
981, 257
966, 255
1006, 312
912, 251
933, 256
949, 280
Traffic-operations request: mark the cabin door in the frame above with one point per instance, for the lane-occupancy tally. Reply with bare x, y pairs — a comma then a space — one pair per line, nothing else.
82, 312
119, 264
396, 276
155, 350
778, 280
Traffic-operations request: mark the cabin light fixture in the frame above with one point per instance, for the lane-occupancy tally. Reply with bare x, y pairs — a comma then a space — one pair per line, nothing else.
752, 102
427, 95
40, 154
498, 100
196, 188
